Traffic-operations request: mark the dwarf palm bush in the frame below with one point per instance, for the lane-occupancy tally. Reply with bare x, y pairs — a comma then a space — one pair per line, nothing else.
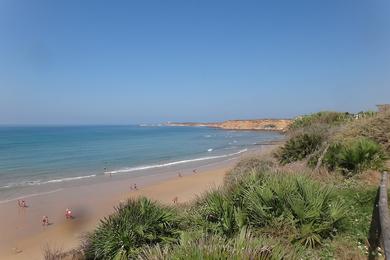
354, 156
243, 246
312, 209
137, 223
299, 147
217, 213
272, 199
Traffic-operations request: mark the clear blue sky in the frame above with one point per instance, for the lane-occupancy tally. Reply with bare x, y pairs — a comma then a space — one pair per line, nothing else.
119, 62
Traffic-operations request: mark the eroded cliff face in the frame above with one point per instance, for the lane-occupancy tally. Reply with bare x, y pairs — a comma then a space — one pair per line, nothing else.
255, 124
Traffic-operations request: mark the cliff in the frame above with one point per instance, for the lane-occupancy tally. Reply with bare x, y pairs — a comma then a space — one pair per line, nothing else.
255, 124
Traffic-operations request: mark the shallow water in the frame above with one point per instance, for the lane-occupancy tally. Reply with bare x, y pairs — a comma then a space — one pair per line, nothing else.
39, 156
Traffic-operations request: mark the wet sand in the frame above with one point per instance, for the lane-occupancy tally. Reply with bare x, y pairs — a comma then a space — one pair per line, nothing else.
23, 236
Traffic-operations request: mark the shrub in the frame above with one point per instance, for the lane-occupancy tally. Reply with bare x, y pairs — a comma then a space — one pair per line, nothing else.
137, 223
354, 156
243, 246
299, 147
56, 253
216, 213
376, 128
310, 207
53, 253
268, 199
325, 117
245, 167
366, 114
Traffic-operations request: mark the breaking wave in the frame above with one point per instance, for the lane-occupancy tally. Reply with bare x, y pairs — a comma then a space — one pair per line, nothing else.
153, 166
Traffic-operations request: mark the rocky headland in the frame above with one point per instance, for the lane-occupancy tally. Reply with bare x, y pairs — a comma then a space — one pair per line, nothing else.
253, 124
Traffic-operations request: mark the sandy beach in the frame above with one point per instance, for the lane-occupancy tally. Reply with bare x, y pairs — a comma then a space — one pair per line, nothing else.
23, 236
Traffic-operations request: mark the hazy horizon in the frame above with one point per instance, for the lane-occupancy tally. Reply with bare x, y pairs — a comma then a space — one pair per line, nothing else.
100, 63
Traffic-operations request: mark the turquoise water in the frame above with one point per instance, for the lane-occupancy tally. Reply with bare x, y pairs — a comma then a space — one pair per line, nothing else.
31, 156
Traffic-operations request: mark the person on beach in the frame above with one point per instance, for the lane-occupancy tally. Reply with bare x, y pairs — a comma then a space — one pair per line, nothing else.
175, 200
45, 221
22, 204
194, 171
135, 186
105, 172
68, 214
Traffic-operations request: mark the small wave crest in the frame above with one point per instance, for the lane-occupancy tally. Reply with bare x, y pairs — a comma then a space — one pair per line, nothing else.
69, 179
40, 182
29, 196
147, 167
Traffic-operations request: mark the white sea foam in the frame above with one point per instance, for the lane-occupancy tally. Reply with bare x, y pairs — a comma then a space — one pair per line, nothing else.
29, 196
125, 170
69, 179
40, 182
147, 167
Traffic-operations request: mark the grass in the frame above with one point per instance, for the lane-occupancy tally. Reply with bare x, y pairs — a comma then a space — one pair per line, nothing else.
57, 253
244, 246
376, 128
247, 165
328, 118
343, 142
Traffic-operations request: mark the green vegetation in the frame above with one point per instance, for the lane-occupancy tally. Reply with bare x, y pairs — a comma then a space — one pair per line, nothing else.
248, 165
263, 214
376, 128
299, 147
355, 156
135, 224
244, 246
341, 142
216, 212
267, 209
321, 118
278, 199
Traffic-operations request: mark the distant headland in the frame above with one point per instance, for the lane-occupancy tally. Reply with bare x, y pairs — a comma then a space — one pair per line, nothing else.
251, 124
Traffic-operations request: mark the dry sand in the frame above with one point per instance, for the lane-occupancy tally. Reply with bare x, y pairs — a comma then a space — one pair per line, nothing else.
23, 237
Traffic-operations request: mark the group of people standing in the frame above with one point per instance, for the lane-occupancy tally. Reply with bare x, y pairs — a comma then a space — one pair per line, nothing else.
45, 219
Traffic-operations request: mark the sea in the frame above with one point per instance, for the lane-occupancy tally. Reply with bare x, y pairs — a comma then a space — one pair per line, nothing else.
37, 159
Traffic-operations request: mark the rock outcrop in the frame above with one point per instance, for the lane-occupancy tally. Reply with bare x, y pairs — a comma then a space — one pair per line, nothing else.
254, 124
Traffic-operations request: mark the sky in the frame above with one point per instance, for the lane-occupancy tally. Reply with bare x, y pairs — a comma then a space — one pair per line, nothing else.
125, 62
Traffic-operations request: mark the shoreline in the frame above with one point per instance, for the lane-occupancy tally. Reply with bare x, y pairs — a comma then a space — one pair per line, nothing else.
50, 186
23, 235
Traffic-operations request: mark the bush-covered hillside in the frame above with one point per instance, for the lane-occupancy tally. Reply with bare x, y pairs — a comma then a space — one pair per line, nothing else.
341, 142
267, 209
